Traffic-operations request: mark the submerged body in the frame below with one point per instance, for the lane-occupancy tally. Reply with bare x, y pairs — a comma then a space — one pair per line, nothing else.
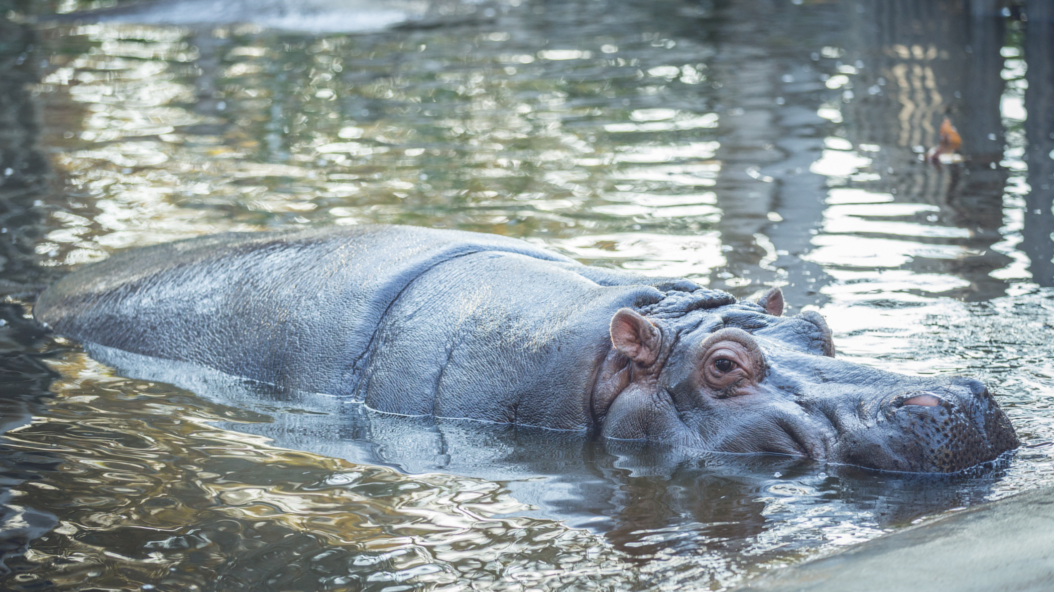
453, 324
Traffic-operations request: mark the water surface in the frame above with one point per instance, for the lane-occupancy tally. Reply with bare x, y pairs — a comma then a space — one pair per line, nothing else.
743, 145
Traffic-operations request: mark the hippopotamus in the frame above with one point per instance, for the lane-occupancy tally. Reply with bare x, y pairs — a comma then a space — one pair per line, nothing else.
461, 325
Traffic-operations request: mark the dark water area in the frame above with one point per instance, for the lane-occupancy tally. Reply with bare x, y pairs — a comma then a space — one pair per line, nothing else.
741, 144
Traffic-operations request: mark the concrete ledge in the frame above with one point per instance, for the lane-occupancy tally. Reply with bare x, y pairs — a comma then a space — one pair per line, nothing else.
1007, 545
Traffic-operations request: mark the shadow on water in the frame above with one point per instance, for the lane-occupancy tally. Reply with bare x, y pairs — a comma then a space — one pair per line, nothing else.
24, 385
744, 144
925, 62
1038, 231
24, 379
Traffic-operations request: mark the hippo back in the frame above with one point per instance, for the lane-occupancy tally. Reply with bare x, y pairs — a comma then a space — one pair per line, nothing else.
296, 309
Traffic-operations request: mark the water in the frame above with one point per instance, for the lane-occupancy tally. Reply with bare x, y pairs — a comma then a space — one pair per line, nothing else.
742, 145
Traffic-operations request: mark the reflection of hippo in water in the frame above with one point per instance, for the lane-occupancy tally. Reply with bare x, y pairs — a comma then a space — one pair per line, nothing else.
416, 321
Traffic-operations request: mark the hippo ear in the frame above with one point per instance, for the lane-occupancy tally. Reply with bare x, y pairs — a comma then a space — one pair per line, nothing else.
772, 302
635, 337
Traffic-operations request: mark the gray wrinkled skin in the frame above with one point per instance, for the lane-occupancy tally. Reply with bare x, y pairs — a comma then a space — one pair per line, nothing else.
425, 322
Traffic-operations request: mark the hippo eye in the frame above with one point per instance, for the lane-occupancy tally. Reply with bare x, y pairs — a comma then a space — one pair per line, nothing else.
730, 364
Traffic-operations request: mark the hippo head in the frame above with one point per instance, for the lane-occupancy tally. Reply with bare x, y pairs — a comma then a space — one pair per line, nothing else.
700, 370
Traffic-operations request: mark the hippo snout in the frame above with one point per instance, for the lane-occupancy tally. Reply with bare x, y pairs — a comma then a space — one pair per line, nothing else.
742, 392
942, 429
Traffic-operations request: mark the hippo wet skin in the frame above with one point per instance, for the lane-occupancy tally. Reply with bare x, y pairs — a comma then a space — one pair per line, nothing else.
418, 321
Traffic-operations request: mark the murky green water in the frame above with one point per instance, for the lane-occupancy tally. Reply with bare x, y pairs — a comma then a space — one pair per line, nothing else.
741, 144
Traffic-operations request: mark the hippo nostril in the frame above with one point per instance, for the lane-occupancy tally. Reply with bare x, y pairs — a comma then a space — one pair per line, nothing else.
923, 400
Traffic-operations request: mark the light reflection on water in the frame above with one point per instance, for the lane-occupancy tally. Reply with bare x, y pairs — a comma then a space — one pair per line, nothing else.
742, 146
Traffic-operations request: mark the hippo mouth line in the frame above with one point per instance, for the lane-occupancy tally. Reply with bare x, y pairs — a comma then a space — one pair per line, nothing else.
808, 439
1000, 460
